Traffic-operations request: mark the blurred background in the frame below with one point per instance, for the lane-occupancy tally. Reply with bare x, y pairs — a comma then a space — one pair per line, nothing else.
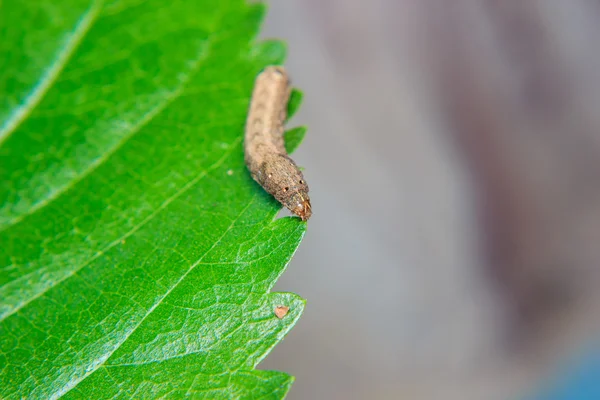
453, 156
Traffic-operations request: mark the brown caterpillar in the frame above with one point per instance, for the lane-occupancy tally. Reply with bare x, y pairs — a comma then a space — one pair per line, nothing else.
265, 155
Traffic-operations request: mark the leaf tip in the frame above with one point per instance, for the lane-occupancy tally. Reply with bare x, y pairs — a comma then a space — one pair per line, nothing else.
294, 137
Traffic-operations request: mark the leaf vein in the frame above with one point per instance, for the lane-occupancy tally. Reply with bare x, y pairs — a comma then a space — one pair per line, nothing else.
52, 73
128, 234
102, 360
144, 120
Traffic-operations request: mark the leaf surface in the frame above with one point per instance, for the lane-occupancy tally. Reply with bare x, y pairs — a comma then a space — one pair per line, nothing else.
136, 253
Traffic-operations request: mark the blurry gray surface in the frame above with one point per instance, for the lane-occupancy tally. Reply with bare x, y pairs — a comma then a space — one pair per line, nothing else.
399, 303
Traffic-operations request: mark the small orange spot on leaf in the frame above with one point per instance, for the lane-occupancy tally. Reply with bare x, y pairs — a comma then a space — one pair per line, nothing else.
281, 311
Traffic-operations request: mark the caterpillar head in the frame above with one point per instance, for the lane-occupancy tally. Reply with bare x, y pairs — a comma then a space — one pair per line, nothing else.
280, 176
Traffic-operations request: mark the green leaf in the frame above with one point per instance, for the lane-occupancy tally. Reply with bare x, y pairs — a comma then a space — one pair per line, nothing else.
294, 137
294, 103
136, 252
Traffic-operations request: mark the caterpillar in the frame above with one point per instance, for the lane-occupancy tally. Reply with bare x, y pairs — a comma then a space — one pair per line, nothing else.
264, 149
